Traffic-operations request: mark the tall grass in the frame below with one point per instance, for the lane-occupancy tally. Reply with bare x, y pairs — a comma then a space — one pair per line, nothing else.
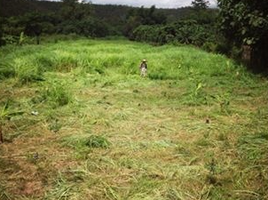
57, 93
165, 63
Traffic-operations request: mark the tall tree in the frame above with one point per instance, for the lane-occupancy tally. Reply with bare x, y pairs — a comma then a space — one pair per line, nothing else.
200, 4
143, 16
68, 9
33, 25
245, 22
75, 10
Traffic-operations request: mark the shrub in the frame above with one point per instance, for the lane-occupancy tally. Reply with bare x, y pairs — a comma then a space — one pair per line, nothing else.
209, 46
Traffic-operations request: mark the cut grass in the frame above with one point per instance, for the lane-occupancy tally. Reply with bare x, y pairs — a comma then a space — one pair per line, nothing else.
195, 128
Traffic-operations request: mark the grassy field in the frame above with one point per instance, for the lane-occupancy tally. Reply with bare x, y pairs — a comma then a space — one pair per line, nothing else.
80, 123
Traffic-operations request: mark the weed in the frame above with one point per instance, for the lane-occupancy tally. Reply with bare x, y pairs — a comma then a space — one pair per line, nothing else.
211, 177
57, 94
95, 141
27, 70
55, 126
65, 63
83, 144
6, 70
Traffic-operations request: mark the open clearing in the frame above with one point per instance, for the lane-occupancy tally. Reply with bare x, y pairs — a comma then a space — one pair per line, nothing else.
80, 123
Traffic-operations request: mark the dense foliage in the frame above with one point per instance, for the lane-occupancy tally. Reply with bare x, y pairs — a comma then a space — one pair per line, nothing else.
197, 28
86, 19
72, 18
142, 16
200, 4
184, 31
246, 23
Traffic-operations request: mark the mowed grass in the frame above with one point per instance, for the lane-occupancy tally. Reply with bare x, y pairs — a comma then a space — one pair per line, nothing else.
80, 123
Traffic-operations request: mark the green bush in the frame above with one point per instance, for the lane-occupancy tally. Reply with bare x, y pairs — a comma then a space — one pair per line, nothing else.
209, 46
10, 39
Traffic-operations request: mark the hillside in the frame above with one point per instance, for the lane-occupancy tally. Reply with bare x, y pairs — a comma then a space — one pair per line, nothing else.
110, 13
80, 123
10, 8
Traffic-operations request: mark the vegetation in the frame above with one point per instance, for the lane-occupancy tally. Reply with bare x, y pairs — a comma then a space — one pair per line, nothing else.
111, 14
238, 29
92, 20
80, 123
72, 18
181, 32
246, 23
200, 4
142, 16
198, 28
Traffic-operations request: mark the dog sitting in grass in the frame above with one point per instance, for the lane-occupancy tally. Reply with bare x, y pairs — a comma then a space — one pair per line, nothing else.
143, 68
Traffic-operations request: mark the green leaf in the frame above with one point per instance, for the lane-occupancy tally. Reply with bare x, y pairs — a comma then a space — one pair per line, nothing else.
249, 42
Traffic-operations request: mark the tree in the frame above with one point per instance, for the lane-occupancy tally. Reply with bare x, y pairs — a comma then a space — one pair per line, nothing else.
200, 4
76, 17
201, 13
68, 8
245, 22
73, 10
33, 25
142, 16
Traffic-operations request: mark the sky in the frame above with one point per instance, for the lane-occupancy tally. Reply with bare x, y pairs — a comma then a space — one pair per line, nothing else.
149, 3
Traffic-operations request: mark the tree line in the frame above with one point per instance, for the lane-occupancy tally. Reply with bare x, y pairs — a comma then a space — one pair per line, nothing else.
71, 17
235, 27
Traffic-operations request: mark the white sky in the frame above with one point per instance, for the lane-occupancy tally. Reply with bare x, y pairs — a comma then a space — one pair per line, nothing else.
149, 3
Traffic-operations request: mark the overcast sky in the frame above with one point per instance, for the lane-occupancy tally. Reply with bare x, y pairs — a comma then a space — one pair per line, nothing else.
149, 3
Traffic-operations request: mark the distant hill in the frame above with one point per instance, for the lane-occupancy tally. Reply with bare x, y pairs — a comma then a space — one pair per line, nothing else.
9, 8
113, 14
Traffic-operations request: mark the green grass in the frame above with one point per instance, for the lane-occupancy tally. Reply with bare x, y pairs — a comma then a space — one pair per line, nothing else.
194, 128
